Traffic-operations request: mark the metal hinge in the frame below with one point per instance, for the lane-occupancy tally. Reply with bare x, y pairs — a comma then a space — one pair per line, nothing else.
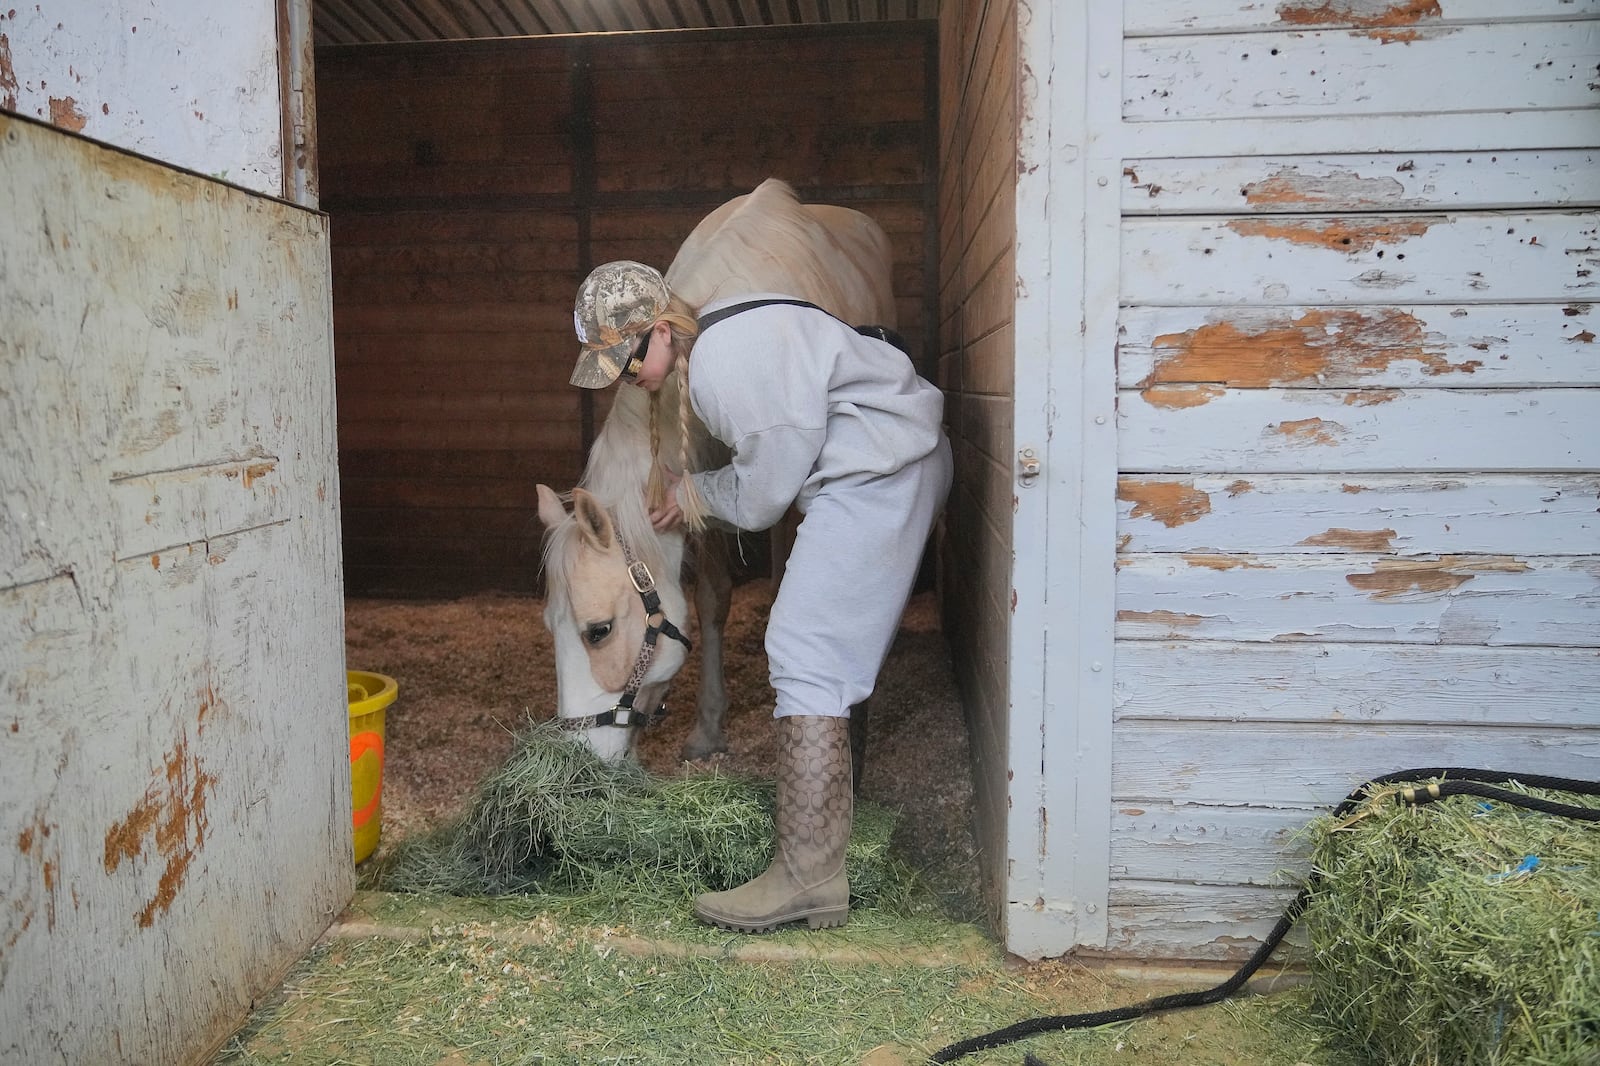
1027, 466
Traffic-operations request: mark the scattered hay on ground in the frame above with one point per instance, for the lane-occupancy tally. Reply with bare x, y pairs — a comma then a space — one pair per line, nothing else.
474, 671
555, 818
1458, 932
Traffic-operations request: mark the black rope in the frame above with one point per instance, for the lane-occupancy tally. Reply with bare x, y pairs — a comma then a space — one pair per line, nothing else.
1456, 781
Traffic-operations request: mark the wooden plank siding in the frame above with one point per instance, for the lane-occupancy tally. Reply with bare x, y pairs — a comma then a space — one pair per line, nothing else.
472, 185
1356, 397
976, 285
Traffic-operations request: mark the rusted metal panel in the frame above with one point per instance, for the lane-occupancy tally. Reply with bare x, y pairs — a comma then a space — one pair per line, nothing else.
1375, 71
1158, 17
1407, 181
190, 82
1362, 259
176, 782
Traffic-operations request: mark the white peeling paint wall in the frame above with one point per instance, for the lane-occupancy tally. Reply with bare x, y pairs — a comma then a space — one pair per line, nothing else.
193, 83
1350, 249
1306, 309
174, 772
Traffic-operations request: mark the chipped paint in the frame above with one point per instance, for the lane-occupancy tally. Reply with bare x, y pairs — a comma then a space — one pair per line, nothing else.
1289, 186
1299, 350
8, 76
1366, 14
1586, 337
173, 817
1394, 36
1310, 431
1391, 579
1181, 396
34, 844
1167, 618
65, 113
1238, 487
1350, 235
1370, 397
1172, 503
1224, 562
1358, 540
142, 435
256, 470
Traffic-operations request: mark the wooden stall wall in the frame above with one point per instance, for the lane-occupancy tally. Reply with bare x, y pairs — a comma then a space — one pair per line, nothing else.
472, 185
174, 776
1357, 399
977, 282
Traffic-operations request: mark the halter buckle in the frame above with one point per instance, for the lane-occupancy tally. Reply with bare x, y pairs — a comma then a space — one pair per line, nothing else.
619, 716
644, 582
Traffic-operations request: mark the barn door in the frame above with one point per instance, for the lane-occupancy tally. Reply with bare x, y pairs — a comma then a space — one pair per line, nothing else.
174, 799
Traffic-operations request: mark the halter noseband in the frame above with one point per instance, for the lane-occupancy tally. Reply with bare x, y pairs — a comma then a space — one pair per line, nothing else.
622, 713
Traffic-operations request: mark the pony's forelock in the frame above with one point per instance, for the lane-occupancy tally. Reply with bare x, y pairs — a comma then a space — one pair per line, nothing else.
629, 517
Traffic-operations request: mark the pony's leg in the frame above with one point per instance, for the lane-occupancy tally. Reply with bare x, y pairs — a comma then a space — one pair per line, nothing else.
858, 742
713, 594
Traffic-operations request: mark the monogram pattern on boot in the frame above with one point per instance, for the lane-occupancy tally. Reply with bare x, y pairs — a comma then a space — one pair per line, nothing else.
814, 795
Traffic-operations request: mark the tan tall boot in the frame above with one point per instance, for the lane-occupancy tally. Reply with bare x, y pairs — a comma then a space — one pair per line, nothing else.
814, 807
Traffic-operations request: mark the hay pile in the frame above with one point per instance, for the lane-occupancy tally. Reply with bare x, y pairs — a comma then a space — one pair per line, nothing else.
557, 819
1459, 932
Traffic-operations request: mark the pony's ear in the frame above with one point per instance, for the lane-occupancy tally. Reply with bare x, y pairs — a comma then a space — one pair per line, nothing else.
551, 512
593, 521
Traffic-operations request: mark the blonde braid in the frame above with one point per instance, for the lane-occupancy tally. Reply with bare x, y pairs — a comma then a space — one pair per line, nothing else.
655, 492
685, 327
690, 501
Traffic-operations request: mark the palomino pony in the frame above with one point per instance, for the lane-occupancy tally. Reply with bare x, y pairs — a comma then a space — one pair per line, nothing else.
616, 601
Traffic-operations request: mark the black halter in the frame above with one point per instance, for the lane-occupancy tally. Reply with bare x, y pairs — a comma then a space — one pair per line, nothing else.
622, 713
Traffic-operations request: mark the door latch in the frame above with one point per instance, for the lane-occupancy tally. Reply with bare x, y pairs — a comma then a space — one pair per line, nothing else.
1027, 466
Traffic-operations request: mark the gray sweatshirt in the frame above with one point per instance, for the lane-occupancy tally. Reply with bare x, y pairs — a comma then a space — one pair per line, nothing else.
803, 400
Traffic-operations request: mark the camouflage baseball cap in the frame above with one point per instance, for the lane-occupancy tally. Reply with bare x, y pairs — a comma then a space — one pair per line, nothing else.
616, 302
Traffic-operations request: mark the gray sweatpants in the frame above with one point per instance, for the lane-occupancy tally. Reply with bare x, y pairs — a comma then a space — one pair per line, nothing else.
849, 575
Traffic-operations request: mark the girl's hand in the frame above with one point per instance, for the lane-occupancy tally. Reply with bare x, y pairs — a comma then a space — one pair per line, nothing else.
667, 517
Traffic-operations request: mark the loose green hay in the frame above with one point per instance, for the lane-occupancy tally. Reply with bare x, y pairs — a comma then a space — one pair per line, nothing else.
556, 819
1429, 948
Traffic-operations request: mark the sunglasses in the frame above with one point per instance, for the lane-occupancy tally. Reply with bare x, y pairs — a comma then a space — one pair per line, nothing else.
636, 361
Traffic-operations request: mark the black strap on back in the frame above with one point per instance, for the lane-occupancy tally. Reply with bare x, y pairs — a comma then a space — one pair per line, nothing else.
882, 333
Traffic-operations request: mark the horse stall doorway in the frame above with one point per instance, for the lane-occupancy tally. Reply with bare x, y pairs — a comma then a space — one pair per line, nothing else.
471, 184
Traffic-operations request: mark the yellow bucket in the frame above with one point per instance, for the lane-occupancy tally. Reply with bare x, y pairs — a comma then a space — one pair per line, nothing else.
369, 694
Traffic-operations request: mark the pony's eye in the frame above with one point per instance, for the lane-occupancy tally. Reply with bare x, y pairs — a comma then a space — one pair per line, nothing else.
597, 632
